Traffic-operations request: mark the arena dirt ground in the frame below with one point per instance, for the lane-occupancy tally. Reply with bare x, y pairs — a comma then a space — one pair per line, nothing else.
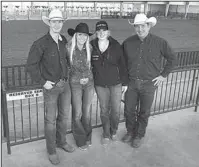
18, 36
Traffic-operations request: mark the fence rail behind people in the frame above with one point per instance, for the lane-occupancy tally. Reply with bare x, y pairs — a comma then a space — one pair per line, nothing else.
16, 77
23, 105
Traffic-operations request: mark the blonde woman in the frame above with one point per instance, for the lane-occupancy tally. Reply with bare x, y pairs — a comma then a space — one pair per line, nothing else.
81, 83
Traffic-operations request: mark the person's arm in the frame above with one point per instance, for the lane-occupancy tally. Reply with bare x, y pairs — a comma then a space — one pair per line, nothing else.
33, 63
170, 56
123, 68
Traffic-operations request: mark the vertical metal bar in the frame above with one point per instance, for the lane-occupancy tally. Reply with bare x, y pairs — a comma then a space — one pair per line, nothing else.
7, 130
155, 100
165, 97
188, 87
176, 82
192, 85
192, 63
183, 87
22, 130
97, 111
178, 60
181, 60
37, 116
6, 76
196, 85
170, 89
197, 101
184, 59
179, 88
160, 96
29, 117
14, 120
19, 75
3, 109
91, 108
13, 76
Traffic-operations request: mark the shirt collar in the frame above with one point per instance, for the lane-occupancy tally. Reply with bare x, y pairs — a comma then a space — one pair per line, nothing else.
51, 38
84, 48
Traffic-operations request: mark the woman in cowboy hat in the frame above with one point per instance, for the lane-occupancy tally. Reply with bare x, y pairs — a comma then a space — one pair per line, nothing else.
81, 83
143, 52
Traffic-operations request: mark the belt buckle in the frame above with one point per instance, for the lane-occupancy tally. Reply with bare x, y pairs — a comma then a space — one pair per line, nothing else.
61, 82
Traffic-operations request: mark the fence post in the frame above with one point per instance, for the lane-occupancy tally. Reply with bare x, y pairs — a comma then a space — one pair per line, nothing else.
5, 118
192, 85
2, 111
197, 101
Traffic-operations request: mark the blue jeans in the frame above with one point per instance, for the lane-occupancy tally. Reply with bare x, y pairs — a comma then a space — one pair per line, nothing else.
110, 103
82, 96
143, 92
57, 107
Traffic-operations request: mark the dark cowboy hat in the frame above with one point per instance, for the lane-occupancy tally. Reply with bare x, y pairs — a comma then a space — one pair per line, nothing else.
81, 28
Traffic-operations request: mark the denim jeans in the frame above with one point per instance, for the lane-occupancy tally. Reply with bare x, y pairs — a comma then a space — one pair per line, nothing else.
143, 92
110, 103
82, 96
57, 107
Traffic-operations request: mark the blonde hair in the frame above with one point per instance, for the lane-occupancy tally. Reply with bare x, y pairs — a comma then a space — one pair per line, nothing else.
74, 43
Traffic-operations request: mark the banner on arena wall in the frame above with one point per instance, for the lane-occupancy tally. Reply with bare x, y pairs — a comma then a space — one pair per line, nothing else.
24, 94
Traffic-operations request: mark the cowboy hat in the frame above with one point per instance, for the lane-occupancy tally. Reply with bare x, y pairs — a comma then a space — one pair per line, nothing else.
55, 14
81, 28
142, 18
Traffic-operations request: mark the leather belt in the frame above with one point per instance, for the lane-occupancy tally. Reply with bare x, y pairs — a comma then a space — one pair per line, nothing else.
61, 81
142, 80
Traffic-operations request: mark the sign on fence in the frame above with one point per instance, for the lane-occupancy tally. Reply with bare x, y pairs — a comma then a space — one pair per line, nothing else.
24, 94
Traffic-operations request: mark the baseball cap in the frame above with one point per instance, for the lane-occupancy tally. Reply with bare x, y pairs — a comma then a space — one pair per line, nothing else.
101, 25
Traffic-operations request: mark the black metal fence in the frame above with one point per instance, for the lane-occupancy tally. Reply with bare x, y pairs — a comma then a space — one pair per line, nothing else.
23, 118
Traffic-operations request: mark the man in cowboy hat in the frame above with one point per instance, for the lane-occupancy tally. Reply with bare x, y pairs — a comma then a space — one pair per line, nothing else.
143, 53
47, 65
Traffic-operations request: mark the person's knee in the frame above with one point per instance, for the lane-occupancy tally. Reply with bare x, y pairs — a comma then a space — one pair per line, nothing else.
50, 120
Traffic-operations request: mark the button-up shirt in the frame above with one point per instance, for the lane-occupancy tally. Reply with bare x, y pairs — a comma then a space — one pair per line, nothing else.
80, 68
47, 59
144, 57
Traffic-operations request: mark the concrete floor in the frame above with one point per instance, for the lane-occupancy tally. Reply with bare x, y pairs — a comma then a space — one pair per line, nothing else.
172, 140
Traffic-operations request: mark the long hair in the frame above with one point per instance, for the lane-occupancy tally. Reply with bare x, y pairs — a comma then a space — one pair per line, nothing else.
73, 44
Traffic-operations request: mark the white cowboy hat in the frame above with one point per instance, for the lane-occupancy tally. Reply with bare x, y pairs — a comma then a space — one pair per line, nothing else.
141, 19
55, 14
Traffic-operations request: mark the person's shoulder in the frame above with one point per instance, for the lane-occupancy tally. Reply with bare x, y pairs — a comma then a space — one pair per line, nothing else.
130, 39
158, 38
113, 41
40, 40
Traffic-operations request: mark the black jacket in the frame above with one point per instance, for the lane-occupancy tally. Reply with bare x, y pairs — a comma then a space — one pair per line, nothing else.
109, 67
46, 62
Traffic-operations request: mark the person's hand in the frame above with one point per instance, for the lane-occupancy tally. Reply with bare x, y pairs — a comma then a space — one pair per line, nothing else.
48, 85
124, 88
158, 80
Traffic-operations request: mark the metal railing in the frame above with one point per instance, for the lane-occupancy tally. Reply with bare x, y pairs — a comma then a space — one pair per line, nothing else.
23, 119
16, 77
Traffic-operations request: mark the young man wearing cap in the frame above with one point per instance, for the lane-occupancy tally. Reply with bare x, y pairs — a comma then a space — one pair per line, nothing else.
47, 65
110, 73
143, 53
